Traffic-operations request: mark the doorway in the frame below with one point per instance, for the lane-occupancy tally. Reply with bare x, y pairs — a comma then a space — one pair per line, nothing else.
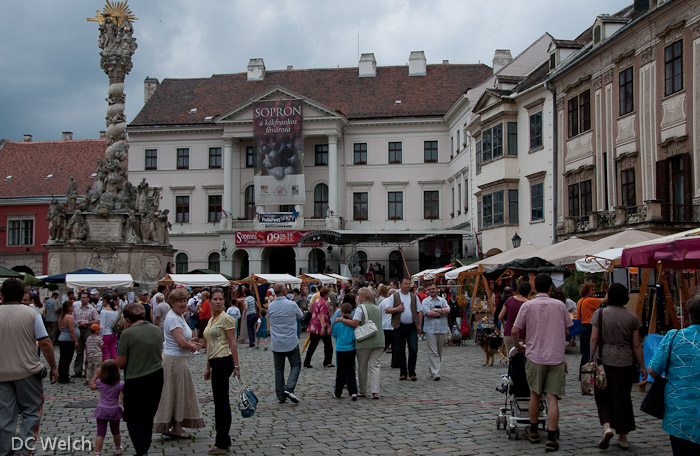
282, 260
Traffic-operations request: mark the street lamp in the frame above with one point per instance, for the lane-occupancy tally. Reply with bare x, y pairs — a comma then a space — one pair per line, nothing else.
516, 241
223, 250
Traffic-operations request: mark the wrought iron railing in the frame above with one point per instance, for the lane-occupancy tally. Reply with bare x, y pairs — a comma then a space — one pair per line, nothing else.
636, 214
583, 223
606, 219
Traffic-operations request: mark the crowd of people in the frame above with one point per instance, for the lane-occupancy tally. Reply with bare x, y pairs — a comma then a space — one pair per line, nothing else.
151, 339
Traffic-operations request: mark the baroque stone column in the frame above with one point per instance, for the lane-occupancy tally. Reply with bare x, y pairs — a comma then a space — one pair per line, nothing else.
333, 180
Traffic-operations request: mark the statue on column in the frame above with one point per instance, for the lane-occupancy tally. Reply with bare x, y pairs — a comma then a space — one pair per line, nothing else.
72, 194
77, 228
57, 220
162, 227
132, 228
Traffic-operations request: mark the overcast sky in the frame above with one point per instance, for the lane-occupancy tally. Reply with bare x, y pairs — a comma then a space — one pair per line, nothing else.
51, 80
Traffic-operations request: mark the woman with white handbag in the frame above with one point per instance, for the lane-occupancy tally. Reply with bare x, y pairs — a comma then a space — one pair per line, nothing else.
370, 349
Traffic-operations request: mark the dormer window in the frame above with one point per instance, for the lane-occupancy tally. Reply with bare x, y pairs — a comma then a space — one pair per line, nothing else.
597, 34
552, 61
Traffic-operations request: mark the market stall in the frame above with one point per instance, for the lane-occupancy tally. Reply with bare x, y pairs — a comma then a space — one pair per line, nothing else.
99, 281
322, 278
254, 280
603, 261
509, 255
431, 274
195, 280
341, 278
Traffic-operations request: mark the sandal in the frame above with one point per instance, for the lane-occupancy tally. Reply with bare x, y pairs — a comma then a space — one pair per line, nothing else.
551, 445
533, 437
216, 450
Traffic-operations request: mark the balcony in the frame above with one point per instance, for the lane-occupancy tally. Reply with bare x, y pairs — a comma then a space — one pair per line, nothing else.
652, 215
243, 225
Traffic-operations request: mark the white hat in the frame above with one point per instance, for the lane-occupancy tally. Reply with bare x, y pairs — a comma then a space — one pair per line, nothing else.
94, 291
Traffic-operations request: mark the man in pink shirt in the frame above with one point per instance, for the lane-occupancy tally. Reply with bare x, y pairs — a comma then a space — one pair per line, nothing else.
546, 322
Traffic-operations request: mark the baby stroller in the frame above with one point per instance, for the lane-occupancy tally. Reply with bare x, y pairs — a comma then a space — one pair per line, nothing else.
514, 387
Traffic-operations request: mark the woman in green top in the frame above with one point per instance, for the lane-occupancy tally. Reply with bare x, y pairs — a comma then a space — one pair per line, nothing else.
369, 351
139, 354
222, 361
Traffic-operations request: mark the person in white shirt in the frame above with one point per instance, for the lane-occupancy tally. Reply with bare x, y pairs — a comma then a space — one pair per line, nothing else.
235, 312
436, 310
406, 319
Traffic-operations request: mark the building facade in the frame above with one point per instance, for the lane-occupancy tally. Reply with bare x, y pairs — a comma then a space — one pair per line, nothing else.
511, 169
379, 167
628, 148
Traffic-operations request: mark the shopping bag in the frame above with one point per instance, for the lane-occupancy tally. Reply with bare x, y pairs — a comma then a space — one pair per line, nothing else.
366, 330
593, 378
248, 401
653, 402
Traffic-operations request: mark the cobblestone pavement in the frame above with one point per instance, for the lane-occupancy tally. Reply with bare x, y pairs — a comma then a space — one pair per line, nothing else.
456, 415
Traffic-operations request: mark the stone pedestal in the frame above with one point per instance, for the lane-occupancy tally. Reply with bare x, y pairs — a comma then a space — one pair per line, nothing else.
106, 250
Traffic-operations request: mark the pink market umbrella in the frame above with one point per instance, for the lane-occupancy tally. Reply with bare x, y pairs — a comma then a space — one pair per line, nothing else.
678, 251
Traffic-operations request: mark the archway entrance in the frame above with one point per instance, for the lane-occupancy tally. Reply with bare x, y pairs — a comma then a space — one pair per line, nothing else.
282, 260
317, 261
240, 264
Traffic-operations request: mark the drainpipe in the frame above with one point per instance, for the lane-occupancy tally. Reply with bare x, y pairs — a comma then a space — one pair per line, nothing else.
555, 161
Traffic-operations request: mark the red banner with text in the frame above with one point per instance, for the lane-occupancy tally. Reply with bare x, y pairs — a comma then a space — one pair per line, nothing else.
270, 238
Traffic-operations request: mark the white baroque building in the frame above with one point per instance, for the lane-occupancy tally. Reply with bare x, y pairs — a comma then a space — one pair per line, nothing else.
383, 173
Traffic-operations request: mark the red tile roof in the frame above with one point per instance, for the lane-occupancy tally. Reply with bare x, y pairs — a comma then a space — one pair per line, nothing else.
30, 162
338, 88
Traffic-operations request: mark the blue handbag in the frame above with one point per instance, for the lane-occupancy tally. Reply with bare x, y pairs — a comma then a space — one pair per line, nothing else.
247, 402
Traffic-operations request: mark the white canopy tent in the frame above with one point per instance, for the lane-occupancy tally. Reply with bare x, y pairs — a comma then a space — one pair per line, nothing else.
453, 274
273, 278
343, 279
323, 278
599, 262
558, 253
617, 240
430, 274
509, 255
199, 280
99, 280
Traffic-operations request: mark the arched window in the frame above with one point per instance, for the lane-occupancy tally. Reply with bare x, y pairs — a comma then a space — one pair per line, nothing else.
249, 202
320, 201
215, 261
396, 271
181, 263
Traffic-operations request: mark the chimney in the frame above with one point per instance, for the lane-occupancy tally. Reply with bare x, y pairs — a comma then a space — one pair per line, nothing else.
416, 64
103, 134
368, 66
149, 88
27, 138
67, 136
256, 70
290, 67
501, 58
445, 62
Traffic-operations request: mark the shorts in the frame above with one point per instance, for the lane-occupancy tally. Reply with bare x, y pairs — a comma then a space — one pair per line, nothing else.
544, 378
